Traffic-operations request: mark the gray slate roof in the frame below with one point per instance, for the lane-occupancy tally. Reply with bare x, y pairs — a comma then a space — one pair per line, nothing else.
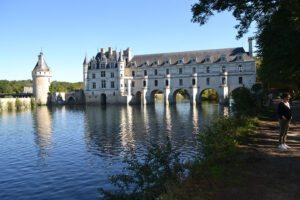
41, 65
187, 56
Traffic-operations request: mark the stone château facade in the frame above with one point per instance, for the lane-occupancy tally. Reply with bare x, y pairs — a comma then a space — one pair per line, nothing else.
41, 80
118, 77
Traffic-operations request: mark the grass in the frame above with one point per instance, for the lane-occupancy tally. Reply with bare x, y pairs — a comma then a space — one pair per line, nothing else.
18, 104
10, 106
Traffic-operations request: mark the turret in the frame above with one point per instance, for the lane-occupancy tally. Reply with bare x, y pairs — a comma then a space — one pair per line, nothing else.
85, 71
41, 79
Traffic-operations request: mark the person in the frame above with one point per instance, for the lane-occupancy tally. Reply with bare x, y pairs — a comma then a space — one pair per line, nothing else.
285, 116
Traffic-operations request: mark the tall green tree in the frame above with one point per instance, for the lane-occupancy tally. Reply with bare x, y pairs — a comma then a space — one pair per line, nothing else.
278, 27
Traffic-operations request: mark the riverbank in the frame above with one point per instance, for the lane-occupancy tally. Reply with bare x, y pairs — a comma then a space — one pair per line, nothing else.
259, 171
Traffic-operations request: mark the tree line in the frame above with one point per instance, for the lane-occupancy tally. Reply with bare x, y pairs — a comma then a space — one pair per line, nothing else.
17, 87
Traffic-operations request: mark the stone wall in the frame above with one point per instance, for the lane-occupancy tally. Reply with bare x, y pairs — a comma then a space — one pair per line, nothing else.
4, 103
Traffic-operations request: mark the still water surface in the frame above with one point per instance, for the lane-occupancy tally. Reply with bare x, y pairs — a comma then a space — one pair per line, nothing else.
68, 152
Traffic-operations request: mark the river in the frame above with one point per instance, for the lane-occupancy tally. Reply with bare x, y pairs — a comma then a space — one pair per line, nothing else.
68, 152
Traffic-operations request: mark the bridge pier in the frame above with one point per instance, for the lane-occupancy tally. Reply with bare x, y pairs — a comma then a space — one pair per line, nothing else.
223, 95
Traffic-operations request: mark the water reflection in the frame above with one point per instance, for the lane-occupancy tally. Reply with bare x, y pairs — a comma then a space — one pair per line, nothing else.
112, 130
42, 119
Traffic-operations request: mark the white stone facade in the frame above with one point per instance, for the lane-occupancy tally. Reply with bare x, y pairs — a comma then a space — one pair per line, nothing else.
116, 78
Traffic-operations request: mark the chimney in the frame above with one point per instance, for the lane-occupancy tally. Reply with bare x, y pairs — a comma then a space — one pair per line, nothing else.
110, 51
102, 50
250, 46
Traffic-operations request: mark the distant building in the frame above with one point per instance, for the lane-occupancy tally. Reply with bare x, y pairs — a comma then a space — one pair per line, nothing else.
41, 80
117, 77
27, 90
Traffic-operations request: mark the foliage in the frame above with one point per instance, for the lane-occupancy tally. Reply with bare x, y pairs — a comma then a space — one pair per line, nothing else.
278, 35
149, 178
8, 96
244, 102
184, 93
278, 45
57, 86
209, 95
18, 104
10, 106
14, 87
32, 103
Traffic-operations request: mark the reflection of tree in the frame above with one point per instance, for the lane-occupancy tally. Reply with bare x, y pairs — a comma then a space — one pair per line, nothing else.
43, 131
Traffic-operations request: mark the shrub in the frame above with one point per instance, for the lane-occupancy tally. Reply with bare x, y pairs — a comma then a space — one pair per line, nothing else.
10, 106
147, 179
8, 96
18, 104
244, 102
32, 103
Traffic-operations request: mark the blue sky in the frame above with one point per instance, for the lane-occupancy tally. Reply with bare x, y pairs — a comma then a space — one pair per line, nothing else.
66, 30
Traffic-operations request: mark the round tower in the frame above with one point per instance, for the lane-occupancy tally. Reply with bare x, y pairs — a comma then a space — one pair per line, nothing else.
85, 71
41, 79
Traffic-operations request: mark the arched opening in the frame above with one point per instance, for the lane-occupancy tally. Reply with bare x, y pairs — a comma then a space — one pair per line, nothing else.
209, 95
181, 96
157, 96
103, 99
138, 98
71, 101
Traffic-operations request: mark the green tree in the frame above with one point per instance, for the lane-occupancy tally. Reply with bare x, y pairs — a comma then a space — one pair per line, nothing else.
278, 34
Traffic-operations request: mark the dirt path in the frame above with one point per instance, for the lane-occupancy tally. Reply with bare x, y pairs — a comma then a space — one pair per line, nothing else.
270, 173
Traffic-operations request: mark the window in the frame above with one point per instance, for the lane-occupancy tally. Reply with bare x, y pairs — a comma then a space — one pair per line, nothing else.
132, 84
194, 69
145, 72
167, 62
207, 69
223, 69
94, 85
180, 82
121, 75
167, 71
112, 65
240, 68
194, 81
223, 80
167, 82
98, 66
240, 80
180, 61
180, 70
194, 59
144, 83
112, 74
207, 59
103, 84
207, 81
223, 58
155, 62
155, 72
112, 84
102, 65
133, 73
93, 75
155, 82
239, 57
102, 73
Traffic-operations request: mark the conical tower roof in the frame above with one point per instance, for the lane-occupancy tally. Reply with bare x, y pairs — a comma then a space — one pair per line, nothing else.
41, 65
85, 60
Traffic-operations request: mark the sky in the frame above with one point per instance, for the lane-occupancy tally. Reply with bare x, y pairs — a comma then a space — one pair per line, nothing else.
67, 30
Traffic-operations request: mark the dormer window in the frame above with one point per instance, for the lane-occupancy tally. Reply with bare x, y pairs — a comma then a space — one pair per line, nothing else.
112, 65
146, 63
223, 58
207, 59
167, 62
133, 64
239, 58
180, 61
194, 59
155, 62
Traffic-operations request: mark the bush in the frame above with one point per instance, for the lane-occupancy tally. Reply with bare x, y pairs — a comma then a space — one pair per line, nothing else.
149, 178
32, 103
10, 106
244, 102
18, 104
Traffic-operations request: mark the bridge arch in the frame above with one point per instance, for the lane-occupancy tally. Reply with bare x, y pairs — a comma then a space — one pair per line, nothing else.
71, 100
185, 94
154, 96
103, 99
138, 98
209, 94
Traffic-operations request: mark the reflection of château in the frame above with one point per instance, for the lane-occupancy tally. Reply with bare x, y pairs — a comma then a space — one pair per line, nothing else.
113, 77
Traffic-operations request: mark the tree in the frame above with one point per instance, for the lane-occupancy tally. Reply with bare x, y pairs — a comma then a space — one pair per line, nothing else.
278, 34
